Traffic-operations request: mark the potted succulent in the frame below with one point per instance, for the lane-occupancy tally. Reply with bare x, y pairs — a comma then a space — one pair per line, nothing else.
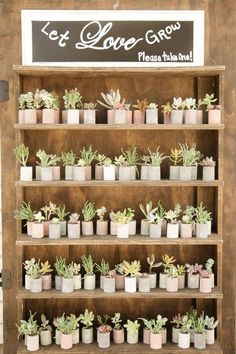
89, 277
39, 98
156, 329
89, 212
210, 324
177, 113
67, 284
156, 159
144, 283
46, 162
118, 329
184, 334
192, 315
145, 167
132, 222
59, 266
176, 320
175, 157
113, 224
132, 157
72, 103
200, 332
119, 276
50, 108
166, 110
181, 276
152, 113
55, 228
36, 284
56, 170
87, 319
161, 214
109, 173
104, 338
205, 281
146, 330
102, 321
37, 226
99, 166
202, 218
190, 113
132, 328
30, 329
167, 261
139, 112
88, 155
65, 325
76, 277
89, 113
199, 111
153, 275
45, 331
109, 282
172, 279
122, 219
27, 267
68, 160
208, 266
155, 225
208, 170
46, 275
186, 226
27, 108
79, 171
214, 111
145, 224
124, 170
131, 271
190, 158
116, 113
193, 275
48, 211
22, 155
172, 222
103, 268
61, 214
73, 226
25, 213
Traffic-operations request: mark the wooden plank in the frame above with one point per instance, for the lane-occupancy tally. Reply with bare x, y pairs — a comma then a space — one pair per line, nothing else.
98, 293
24, 240
125, 348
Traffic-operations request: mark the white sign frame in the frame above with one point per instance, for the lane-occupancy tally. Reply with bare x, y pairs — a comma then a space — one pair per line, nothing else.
197, 16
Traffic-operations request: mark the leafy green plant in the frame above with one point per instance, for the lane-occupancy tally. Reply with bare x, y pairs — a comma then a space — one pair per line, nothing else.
188, 215
121, 217
130, 213
209, 264
50, 101
89, 106
38, 217
121, 161
208, 100
88, 265
107, 162
24, 212
103, 319
210, 322
61, 212
199, 324
103, 268
46, 268
151, 261
28, 327
189, 103
167, 261
175, 156
177, 103
68, 158
116, 320
59, 265
112, 99
46, 160
87, 318
190, 156
65, 324
147, 210
166, 108
72, 99
89, 211
35, 270
131, 269
131, 155
152, 105
202, 216
156, 158
146, 160
186, 324
68, 271
28, 264
132, 326
74, 218
192, 315
22, 154
45, 324
100, 158
156, 326
181, 269
119, 268
88, 155
172, 271
49, 210
146, 322
55, 221
172, 215
177, 320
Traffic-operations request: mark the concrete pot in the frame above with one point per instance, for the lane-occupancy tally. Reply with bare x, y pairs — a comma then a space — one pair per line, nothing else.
104, 340
146, 336
130, 284
172, 230
99, 172
67, 285
132, 337
58, 282
119, 281
202, 230
109, 173
87, 228
144, 284
177, 116
66, 341
88, 173
154, 173
210, 336
36, 285
56, 173
30, 116
27, 282
132, 227
89, 282
193, 173
185, 173
190, 116
109, 285
145, 227
45, 337
120, 116
155, 231
205, 285
162, 280
175, 334
75, 336
69, 173
37, 230
47, 281
199, 340
208, 173
102, 228
46, 174
155, 340
73, 230
124, 173
77, 282
118, 336
214, 116
33, 343
26, 173
78, 173
113, 228
21, 116
193, 281
139, 117
199, 113
63, 225
110, 116
122, 230
174, 173
50, 116
54, 231
144, 172
184, 340
153, 280
186, 230
89, 116
172, 284
151, 116
87, 335
181, 281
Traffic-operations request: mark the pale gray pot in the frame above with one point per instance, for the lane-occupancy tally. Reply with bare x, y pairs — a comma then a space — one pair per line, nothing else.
69, 173
67, 285
79, 173
154, 173
151, 116
177, 116
89, 116
144, 172
208, 173
174, 173
185, 173
145, 227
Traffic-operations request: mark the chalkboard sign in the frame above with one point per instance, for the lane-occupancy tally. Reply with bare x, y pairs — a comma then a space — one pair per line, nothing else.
112, 38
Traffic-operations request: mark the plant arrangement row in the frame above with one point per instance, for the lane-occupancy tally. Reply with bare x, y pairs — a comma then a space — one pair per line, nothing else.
184, 162
192, 327
125, 276
43, 107
51, 221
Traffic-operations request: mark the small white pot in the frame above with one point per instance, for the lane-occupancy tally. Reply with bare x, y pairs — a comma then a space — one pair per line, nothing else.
122, 230
102, 277
87, 335
27, 282
58, 282
104, 340
176, 116
199, 340
172, 230
38, 173
185, 173
73, 116
132, 227
109, 173
109, 285
69, 173
30, 116
164, 335
194, 173
78, 173
63, 225
210, 336
89, 116
77, 282
193, 281
151, 116
186, 230
184, 340
144, 172
208, 173
120, 116
202, 230
36, 285
174, 173
26, 173
89, 282
162, 280
130, 284
190, 116
133, 170
75, 336
67, 285
46, 174
199, 116
45, 337
87, 228
73, 230
102, 227
113, 228
57, 337
153, 280
172, 284
132, 337
205, 285
154, 173
33, 343
155, 231
175, 334
47, 281
124, 173
145, 227
54, 231
144, 284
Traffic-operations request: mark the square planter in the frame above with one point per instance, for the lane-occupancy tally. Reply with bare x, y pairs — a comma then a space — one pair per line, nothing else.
36, 285
67, 285
89, 116
102, 227
190, 116
172, 230
185, 173
54, 231
139, 117
208, 173
98, 172
214, 116
132, 227
130, 284
47, 281
87, 228
120, 116
186, 230
124, 173
174, 173
73, 230
77, 282
46, 174
155, 231
30, 116
50, 116
87, 335
144, 172
177, 116
109, 285
202, 230
89, 282
56, 173
172, 284
109, 173
122, 230
37, 230
26, 173
73, 116
154, 173
145, 227
79, 173
69, 173
152, 116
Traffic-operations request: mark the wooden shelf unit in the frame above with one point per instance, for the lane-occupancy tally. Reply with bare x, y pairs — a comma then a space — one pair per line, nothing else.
106, 139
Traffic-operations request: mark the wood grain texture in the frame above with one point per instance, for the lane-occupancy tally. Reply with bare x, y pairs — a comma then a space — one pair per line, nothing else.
220, 51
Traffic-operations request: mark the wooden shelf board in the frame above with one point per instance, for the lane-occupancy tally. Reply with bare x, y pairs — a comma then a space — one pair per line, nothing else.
122, 349
137, 183
99, 294
25, 240
115, 71
107, 127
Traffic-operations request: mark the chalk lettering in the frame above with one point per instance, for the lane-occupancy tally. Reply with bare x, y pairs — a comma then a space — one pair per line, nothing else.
54, 36
162, 34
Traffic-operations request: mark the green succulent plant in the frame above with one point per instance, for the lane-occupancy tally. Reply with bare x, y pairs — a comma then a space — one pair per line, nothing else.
22, 154
72, 99
87, 318
89, 211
